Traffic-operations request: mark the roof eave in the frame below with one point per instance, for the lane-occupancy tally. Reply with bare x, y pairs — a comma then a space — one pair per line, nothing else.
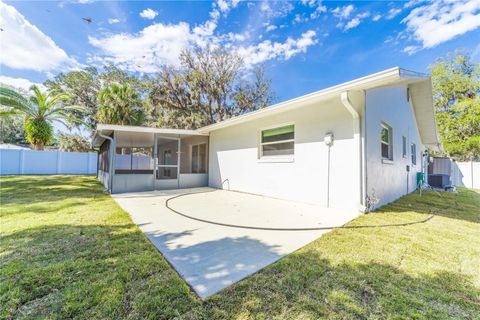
381, 78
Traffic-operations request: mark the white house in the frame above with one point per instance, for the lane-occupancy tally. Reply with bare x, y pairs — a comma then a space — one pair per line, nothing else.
339, 147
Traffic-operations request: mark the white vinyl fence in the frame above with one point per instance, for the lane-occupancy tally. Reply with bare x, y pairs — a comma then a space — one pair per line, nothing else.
466, 174
15, 161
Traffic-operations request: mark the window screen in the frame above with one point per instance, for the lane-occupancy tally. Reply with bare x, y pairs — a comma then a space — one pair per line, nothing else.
133, 160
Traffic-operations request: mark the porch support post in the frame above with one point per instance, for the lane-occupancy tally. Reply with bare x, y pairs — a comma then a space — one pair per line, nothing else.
178, 161
155, 162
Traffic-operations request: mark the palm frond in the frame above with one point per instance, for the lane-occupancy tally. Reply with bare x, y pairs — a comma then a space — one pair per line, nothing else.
65, 109
61, 97
14, 103
59, 119
8, 113
38, 95
12, 94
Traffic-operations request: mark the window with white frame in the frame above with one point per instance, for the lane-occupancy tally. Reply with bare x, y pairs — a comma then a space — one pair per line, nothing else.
414, 154
199, 158
404, 146
278, 141
386, 141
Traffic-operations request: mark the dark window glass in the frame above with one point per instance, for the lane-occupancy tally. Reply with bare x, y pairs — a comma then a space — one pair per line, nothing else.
385, 151
167, 173
276, 149
199, 158
414, 153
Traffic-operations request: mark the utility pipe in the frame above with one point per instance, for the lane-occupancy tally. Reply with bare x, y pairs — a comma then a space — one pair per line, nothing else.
110, 166
356, 137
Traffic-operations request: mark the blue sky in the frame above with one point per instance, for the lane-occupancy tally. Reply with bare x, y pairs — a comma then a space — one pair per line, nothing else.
305, 45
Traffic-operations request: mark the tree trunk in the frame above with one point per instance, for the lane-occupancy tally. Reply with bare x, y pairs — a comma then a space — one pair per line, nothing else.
39, 146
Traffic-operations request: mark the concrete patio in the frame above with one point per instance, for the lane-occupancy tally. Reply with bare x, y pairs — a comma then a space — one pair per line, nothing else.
211, 257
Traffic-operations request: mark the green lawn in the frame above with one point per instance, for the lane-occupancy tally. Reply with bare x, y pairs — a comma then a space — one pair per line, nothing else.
68, 251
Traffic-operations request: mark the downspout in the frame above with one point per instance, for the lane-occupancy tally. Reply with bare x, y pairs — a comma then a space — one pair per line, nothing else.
357, 141
110, 166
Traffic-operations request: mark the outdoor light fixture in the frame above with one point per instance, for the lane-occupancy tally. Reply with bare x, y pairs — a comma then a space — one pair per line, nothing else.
328, 139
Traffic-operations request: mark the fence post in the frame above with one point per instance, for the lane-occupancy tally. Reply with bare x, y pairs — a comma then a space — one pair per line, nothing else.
59, 161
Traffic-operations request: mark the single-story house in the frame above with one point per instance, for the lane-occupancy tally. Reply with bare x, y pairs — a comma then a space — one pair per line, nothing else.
343, 146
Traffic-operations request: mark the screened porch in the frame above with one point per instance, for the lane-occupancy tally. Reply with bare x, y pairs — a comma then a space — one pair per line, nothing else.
143, 159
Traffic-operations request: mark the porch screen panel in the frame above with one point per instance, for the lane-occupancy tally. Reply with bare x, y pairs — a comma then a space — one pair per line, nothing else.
134, 153
194, 155
104, 156
167, 158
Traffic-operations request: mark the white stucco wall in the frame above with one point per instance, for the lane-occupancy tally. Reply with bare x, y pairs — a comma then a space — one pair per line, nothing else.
388, 180
234, 157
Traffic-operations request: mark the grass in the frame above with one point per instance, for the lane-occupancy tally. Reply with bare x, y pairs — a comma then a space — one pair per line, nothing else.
68, 251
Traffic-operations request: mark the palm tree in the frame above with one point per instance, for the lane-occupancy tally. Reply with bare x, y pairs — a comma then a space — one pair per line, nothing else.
120, 104
40, 110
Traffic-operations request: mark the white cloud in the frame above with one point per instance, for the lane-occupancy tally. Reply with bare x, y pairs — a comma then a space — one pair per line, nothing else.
270, 27
268, 50
24, 46
310, 3
440, 21
318, 10
265, 7
355, 22
149, 14
363, 15
377, 17
411, 49
113, 21
276, 9
393, 12
20, 83
412, 3
298, 18
161, 44
237, 36
343, 12
223, 5
145, 51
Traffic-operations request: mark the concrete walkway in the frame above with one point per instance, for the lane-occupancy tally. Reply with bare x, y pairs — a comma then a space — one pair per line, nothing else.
211, 257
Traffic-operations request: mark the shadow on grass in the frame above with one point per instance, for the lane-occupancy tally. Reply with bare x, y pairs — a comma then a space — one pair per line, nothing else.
96, 271
305, 285
88, 271
464, 205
